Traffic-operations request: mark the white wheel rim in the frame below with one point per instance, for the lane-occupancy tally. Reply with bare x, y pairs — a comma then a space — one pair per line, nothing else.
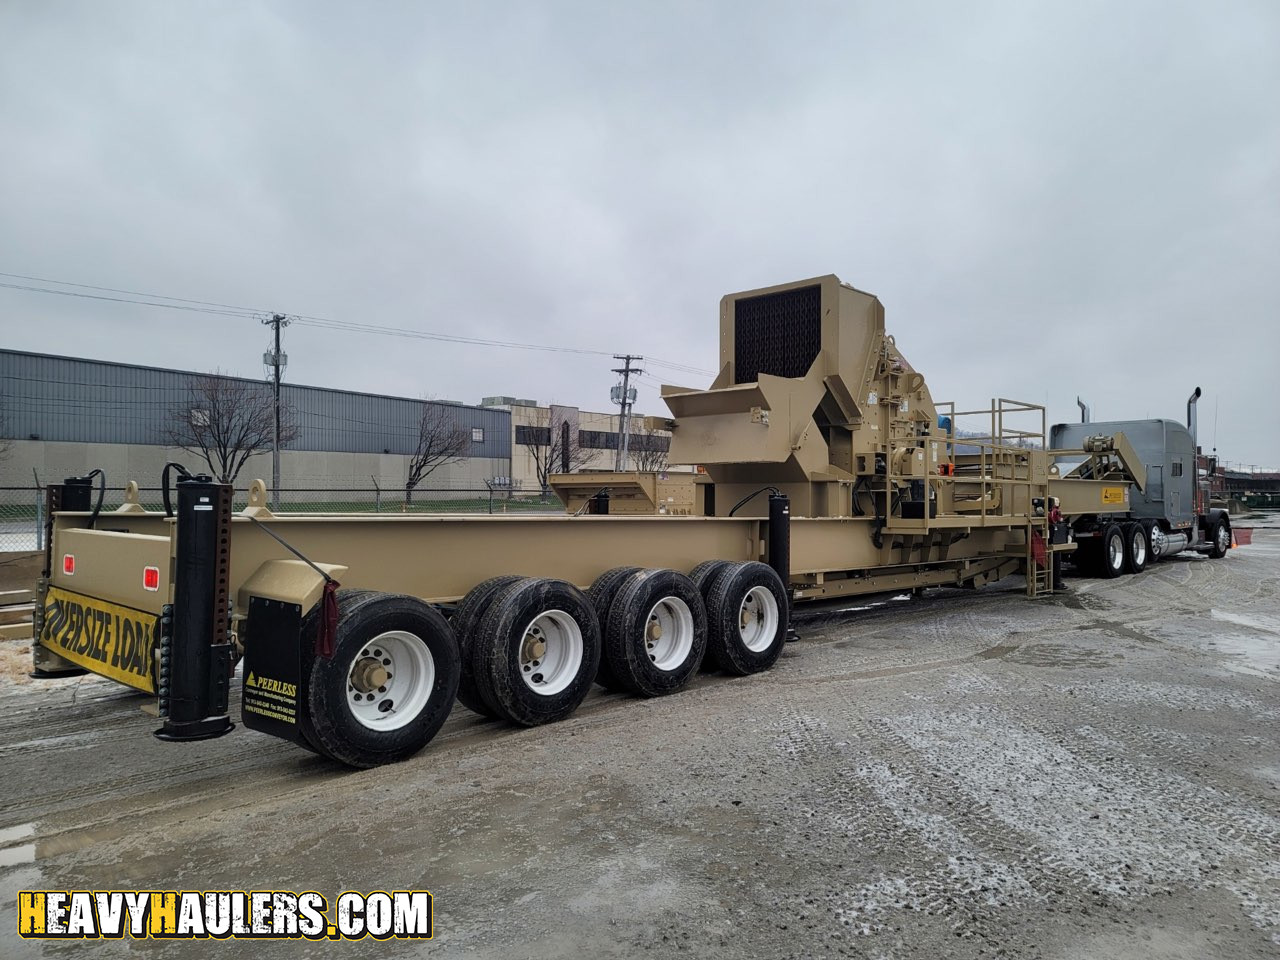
550, 652
410, 676
1224, 538
1115, 551
1158, 540
668, 633
758, 619
1139, 548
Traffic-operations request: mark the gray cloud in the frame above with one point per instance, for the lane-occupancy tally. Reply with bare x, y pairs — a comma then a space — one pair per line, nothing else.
1051, 199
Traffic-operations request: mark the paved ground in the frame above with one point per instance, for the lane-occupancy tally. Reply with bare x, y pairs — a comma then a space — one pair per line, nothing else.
971, 774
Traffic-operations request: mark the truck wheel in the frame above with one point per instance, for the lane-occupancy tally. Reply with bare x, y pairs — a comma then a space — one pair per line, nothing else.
746, 617
656, 632
1155, 540
465, 620
1114, 550
702, 575
1136, 547
537, 650
390, 684
601, 594
1219, 538
310, 625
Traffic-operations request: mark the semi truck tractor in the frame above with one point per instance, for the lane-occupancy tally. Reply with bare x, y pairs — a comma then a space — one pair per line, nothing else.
1169, 509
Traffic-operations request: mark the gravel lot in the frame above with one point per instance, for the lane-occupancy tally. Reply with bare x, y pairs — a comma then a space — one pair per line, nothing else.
968, 774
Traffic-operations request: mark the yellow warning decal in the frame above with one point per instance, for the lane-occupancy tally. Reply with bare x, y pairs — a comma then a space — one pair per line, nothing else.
1113, 495
106, 638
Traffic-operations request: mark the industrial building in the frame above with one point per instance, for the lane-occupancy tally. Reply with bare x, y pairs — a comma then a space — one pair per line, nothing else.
68, 415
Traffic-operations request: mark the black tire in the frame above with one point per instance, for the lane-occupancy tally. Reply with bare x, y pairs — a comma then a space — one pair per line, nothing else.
702, 575
735, 593
1137, 548
1219, 538
649, 663
601, 595
1150, 527
1114, 547
421, 636
347, 599
705, 572
503, 657
465, 620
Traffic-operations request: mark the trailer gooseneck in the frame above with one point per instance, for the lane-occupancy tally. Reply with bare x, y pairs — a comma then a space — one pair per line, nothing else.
830, 472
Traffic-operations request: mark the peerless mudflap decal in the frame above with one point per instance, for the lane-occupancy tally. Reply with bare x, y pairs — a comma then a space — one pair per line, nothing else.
273, 669
106, 638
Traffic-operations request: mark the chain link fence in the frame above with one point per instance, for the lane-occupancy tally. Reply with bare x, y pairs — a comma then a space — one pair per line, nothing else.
22, 508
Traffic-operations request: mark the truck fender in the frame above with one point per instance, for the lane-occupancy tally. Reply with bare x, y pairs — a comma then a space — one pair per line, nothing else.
1209, 519
291, 581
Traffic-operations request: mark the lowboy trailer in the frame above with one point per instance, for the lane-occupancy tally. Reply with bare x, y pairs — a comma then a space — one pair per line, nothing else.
830, 472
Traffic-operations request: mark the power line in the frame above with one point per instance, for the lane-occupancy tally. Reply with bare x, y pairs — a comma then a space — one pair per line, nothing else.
145, 303
136, 293
231, 310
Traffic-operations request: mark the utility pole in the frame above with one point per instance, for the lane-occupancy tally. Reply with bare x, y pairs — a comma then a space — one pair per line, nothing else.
624, 395
277, 361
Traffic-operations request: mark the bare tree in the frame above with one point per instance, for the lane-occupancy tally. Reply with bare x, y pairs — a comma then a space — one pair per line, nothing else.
227, 421
441, 441
554, 445
648, 449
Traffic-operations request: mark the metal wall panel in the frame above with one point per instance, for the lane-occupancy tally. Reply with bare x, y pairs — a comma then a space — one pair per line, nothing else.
88, 401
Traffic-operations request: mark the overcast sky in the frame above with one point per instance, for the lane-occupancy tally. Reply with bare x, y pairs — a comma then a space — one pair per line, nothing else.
1051, 199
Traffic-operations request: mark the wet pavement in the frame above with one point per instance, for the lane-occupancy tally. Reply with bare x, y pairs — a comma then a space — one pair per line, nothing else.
967, 774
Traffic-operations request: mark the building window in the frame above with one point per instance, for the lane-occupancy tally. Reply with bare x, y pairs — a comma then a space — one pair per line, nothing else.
477, 434
607, 440
650, 442
533, 436
1176, 469
597, 440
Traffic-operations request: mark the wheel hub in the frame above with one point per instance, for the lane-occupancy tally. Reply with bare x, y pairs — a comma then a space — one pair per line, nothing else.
368, 675
534, 646
550, 652
654, 632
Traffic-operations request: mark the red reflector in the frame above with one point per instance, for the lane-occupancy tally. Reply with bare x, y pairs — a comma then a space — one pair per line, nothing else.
68, 564
151, 578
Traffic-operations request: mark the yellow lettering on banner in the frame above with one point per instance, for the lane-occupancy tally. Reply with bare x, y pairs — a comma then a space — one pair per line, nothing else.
163, 916
110, 640
31, 914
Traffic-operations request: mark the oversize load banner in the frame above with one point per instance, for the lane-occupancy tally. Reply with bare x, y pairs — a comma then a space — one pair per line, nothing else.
106, 638
222, 915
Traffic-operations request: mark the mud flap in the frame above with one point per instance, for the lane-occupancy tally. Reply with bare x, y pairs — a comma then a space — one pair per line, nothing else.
271, 699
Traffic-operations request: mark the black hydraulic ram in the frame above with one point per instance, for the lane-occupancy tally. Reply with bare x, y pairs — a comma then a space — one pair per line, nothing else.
195, 653
778, 554
779, 545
